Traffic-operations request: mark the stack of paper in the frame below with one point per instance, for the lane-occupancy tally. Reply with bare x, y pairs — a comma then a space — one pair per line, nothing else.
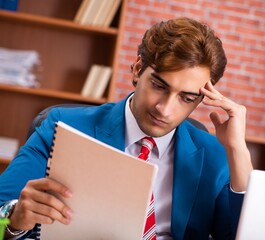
17, 67
8, 147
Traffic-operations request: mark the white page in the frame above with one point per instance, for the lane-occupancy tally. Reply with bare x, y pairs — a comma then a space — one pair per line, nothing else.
111, 189
252, 217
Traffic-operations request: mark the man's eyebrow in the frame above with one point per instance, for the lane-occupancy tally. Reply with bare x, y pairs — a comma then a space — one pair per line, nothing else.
192, 93
159, 79
165, 83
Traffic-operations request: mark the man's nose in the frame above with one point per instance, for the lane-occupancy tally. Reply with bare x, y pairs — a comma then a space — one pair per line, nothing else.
166, 106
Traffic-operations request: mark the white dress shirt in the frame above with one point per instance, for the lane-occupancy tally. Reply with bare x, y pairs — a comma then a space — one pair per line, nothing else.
162, 155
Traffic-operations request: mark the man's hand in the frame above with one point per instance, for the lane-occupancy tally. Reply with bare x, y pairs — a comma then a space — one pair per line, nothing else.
231, 133
37, 205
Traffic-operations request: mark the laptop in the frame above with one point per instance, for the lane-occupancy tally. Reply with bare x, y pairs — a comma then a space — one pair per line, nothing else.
252, 217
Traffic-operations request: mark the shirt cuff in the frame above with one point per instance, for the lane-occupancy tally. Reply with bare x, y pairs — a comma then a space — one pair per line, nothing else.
243, 192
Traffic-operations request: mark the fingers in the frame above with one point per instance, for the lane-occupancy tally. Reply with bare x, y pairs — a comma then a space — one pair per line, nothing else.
209, 86
52, 206
45, 213
231, 129
45, 204
46, 184
216, 99
209, 91
40, 202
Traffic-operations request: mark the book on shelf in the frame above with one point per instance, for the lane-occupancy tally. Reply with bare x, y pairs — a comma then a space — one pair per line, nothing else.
104, 185
8, 147
90, 81
97, 12
97, 81
102, 82
97, 18
81, 10
111, 13
90, 12
10, 5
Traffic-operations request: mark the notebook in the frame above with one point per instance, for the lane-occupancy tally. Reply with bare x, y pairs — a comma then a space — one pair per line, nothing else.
111, 189
252, 217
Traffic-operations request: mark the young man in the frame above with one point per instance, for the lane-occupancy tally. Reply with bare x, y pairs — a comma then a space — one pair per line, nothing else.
200, 179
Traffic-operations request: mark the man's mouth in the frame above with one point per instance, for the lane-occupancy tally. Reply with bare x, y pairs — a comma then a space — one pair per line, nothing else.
158, 121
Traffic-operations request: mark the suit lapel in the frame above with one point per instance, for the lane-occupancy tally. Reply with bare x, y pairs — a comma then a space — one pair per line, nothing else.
112, 128
188, 162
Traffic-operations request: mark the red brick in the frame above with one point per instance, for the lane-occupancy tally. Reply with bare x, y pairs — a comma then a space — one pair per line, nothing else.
239, 23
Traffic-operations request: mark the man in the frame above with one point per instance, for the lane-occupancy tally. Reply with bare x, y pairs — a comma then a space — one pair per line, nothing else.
198, 191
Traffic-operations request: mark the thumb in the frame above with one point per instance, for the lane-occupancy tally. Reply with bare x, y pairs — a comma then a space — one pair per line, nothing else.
215, 119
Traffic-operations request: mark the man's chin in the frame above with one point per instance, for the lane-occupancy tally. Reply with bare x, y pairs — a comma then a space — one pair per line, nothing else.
155, 132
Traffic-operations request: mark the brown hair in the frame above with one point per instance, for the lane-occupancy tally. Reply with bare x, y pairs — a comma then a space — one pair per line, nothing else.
182, 43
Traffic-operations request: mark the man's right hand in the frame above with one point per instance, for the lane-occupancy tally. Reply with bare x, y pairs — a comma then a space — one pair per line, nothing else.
36, 204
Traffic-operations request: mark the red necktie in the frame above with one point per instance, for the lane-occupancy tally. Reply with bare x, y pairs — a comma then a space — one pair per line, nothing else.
149, 232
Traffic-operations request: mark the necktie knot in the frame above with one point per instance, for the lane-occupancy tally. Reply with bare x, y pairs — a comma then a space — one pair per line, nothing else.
148, 144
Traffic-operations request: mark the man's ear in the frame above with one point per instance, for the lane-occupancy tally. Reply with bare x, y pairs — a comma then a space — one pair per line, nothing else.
137, 66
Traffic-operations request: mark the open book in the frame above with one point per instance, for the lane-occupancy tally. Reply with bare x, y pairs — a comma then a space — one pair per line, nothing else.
111, 189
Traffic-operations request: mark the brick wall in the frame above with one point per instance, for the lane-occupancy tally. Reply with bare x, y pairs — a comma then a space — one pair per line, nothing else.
241, 26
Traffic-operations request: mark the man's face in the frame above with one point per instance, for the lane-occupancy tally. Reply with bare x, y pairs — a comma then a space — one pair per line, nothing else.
163, 100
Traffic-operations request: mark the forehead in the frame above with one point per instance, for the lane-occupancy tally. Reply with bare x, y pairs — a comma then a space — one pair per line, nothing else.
186, 80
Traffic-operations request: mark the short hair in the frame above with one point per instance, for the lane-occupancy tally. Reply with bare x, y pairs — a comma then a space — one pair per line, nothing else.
182, 43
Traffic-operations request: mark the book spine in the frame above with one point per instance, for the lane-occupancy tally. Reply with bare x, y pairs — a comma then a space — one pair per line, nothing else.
111, 13
83, 6
49, 162
102, 81
38, 230
48, 167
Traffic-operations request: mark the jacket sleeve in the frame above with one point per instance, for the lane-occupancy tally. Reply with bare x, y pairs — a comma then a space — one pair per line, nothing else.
30, 162
227, 213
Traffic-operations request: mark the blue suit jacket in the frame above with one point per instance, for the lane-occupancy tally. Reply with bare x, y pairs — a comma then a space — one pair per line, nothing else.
202, 202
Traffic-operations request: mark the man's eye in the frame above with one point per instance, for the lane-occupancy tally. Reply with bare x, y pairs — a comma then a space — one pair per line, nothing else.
157, 85
187, 99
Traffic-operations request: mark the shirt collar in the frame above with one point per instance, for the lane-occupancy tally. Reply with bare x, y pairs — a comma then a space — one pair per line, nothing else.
133, 133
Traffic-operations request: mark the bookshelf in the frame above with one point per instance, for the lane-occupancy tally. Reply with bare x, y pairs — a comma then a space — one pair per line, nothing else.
67, 50
256, 147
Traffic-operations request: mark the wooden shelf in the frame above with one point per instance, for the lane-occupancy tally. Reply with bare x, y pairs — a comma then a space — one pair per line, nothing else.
4, 161
52, 94
254, 139
256, 146
55, 22
3, 164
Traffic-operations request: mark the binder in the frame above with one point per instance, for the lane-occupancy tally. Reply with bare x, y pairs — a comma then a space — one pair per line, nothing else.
111, 189
10, 5
91, 80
